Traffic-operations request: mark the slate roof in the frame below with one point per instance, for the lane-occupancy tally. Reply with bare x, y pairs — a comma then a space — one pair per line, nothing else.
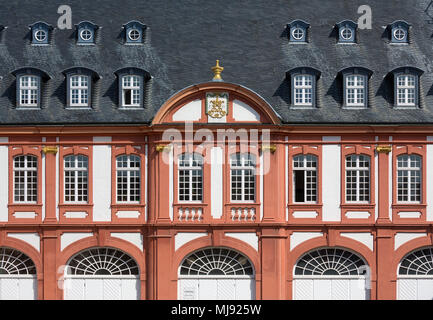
185, 37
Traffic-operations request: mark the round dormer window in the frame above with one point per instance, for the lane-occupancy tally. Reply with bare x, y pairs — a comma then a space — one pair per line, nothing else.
40, 35
134, 34
86, 34
297, 34
399, 34
346, 33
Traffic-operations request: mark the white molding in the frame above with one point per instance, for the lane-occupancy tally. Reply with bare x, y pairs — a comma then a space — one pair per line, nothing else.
390, 182
296, 238
244, 112
357, 214
305, 214
102, 180
365, 238
376, 183
75, 214
4, 173
128, 214
170, 182
407, 214
68, 238
25, 214
135, 238
32, 239
189, 112
182, 238
57, 183
217, 182
43, 164
331, 173
402, 237
248, 237
286, 176
146, 164
429, 179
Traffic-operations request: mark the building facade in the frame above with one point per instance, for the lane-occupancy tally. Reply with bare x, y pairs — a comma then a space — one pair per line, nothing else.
133, 170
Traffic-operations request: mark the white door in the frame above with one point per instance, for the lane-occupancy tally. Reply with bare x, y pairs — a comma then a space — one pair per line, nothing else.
415, 288
18, 287
330, 288
216, 288
101, 288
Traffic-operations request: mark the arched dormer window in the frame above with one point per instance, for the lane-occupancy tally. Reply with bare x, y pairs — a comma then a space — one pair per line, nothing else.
40, 33
347, 31
406, 82
355, 87
303, 83
297, 31
86, 32
131, 87
79, 87
134, 32
399, 31
29, 87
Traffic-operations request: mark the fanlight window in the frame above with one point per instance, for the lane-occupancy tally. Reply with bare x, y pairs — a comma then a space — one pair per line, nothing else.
15, 262
419, 262
216, 261
102, 261
329, 262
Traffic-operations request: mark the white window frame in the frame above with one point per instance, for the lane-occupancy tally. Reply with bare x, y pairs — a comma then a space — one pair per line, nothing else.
38, 34
298, 31
29, 87
402, 32
410, 174
306, 169
75, 169
356, 90
82, 88
342, 33
129, 170
26, 170
303, 86
358, 169
405, 89
87, 32
132, 87
243, 167
190, 159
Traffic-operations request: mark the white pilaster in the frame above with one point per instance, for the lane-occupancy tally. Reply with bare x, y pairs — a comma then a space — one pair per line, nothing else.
4, 173
101, 180
217, 182
331, 173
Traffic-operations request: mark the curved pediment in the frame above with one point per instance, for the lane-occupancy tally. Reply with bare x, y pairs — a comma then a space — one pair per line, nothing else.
216, 102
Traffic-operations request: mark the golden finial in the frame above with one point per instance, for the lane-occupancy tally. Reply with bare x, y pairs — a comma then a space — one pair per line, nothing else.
217, 71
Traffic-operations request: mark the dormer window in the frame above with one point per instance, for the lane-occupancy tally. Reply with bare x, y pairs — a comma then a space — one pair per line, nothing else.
303, 86
131, 91
134, 32
399, 32
347, 31
355, 87
297, 31
406, 87
28, 91
131, 87
40, 33
29, 83
86, 32
79, 83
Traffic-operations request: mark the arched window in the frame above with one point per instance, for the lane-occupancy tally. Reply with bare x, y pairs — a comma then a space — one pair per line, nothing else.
409, 178
357, 178
25, 179
76, 178
305, 178
102, 261
243, 181
190, 177
128, 175
329, 261
216, 261
419, 262
14, 262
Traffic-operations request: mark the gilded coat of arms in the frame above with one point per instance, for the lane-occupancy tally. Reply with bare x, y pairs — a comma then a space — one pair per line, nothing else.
217, 105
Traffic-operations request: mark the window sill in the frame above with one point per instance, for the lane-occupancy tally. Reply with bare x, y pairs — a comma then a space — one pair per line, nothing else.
358, 205
127, 205
409, 205
26, 204
304, 204
190, 204
77, 205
